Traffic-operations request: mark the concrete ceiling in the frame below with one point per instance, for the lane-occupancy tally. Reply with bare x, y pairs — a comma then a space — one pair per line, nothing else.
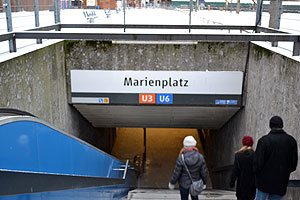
213, 117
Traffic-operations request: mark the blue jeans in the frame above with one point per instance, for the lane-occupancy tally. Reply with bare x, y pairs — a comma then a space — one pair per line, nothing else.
184, 193
260, 195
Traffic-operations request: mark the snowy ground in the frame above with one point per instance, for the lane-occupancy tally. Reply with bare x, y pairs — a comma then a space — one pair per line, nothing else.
25, 20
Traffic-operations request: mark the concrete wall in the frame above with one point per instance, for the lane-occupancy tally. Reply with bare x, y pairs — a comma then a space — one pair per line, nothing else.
36, 83
111, 56
272, 88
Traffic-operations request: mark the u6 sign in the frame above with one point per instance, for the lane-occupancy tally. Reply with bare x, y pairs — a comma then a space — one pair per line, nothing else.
164, 98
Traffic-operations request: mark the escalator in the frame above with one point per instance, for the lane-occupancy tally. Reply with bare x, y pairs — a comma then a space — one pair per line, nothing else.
40, 162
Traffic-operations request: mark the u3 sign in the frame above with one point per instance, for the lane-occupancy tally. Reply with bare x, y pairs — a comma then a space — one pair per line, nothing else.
147, 98
156, 98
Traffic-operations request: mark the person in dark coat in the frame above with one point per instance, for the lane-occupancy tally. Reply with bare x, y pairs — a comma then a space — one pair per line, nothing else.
243, 171
276, 156
196, 165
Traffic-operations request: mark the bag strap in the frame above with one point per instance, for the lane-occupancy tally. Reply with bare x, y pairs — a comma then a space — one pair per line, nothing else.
186, 167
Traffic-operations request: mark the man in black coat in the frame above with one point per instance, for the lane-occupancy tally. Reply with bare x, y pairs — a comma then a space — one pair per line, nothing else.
276, 156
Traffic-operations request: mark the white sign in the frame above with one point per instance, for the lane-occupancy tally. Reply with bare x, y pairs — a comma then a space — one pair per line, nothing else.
90, 2
174, 82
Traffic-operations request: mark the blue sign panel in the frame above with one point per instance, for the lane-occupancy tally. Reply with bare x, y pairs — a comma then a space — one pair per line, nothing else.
164, 98
232, 102
224, 102
220, 101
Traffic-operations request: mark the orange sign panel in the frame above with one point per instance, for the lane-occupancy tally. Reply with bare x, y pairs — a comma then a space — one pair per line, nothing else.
147, 98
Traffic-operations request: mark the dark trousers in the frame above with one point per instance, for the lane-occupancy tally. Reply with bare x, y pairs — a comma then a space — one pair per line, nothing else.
184, 193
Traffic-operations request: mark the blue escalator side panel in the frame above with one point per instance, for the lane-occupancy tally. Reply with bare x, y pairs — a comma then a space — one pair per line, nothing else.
48, 153
103, 193
80, 163
95, 164
31, 151
18, 147
34, 147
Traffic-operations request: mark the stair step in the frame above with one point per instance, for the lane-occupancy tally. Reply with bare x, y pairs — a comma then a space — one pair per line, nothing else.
158, 194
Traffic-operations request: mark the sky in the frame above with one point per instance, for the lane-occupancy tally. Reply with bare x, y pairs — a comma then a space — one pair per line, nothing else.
290, 22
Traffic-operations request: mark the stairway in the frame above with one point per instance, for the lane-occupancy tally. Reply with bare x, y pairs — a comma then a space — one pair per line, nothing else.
159, 194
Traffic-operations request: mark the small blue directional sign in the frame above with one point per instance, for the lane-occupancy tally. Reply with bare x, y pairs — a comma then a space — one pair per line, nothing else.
226, 102
220, 101
232, 102
164, 98
103, 100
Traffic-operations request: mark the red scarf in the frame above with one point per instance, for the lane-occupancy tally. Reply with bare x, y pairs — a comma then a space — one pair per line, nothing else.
190, 149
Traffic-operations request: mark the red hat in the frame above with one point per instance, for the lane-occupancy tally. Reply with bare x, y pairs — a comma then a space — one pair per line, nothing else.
247, 141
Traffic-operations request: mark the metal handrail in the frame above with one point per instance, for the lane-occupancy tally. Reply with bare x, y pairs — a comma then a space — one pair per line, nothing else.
125, 169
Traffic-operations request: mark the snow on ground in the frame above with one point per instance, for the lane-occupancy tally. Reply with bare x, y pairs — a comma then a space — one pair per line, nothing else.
290, 22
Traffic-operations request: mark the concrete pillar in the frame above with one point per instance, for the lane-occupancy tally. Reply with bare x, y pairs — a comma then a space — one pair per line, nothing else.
124, 11
197, 5
190, 16
37, 18
12, 43
238, 5
226, 5
57, 11
259, 9
275, 16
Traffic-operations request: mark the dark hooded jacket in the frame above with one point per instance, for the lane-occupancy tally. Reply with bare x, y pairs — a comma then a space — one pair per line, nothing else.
243, 172
276, 156
196, 165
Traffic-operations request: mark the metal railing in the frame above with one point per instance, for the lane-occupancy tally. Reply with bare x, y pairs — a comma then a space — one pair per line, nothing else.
40, 33
123, 169
271, 35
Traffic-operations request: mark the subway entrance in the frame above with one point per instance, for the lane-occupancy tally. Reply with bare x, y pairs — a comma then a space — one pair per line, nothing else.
152, 112
154, 150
